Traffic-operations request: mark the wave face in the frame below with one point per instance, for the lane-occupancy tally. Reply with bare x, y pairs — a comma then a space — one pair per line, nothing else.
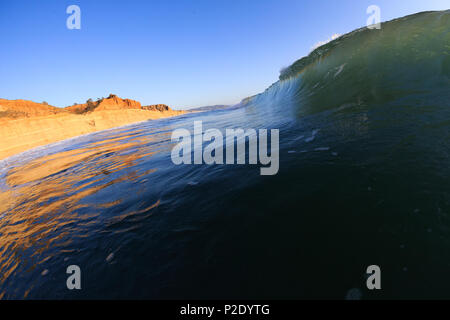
364, 179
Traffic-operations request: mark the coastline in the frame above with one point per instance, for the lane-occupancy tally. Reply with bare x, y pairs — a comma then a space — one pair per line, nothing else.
20, 135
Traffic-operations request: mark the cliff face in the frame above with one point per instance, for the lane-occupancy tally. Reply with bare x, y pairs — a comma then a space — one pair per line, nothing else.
113, 102
26, 124
77, 108
157, 107
14, 109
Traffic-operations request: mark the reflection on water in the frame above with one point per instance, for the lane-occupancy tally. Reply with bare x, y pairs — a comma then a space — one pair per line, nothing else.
43, 201
352, 189
91, 199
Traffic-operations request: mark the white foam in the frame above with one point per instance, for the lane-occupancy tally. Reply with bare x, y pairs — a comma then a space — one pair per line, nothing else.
110, 257
339, 70
313, 135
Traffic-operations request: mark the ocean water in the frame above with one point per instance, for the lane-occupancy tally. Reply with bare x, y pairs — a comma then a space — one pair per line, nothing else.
364, 179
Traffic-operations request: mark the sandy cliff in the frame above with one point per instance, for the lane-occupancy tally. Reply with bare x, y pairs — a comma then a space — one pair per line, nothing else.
24, 109
113, 102
26, 124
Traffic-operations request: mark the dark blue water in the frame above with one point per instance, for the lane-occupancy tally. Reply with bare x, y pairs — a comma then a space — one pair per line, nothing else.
363, 180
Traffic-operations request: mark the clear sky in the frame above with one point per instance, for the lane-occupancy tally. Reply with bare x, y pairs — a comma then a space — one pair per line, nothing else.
182, 53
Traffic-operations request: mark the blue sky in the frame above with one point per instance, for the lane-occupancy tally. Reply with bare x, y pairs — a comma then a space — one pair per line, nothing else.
181, 53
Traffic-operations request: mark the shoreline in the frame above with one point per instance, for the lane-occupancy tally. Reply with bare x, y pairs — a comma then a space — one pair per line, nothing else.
26, 134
